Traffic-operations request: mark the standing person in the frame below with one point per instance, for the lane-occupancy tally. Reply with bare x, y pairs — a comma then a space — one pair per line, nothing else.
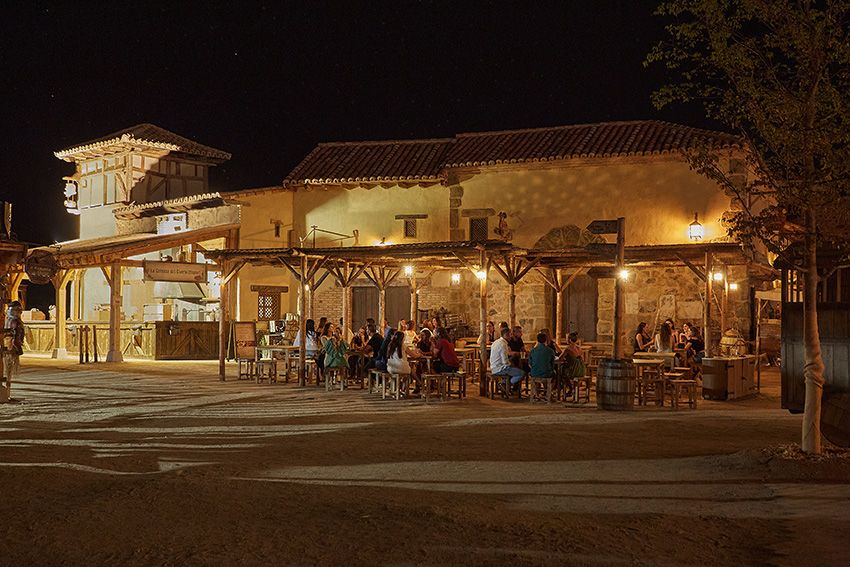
500, 362
640, 340
444, 353
14, 349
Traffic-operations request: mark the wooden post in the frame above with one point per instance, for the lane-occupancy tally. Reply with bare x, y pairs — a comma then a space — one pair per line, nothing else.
559, 315
758, 344
706, 310
619, 303
346, 310
482, 326
310, 286
512, 305
60, 284
302, 324
114, 352
724, 305
228, 271
414, 299
382, 308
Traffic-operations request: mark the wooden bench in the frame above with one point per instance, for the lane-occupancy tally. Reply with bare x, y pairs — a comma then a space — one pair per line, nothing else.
266, 369
577, 383
541, 389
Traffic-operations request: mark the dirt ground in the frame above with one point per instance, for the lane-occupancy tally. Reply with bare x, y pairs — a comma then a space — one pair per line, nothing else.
161, 464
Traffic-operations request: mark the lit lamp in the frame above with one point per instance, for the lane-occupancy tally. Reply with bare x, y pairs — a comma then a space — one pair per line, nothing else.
695, 230
408, 271
456, 278
623, 274
481, 275
733, 286
718, 276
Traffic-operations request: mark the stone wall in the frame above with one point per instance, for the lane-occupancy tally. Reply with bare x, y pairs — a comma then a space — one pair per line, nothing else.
654, 294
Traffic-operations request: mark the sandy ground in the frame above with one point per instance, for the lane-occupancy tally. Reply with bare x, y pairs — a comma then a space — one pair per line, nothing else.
161, 464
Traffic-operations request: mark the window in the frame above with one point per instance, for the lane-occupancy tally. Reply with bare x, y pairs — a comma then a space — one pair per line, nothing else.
410, 228
268, 306
478, 229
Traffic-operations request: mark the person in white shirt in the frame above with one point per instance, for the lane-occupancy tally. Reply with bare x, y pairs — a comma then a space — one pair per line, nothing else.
397, 362
347, 334
500, 361
312, 345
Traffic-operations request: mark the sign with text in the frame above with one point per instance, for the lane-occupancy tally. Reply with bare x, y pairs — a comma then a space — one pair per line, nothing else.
603, 226
175, 272
40, 267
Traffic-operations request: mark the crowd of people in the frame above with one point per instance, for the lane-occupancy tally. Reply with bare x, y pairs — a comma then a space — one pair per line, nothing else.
390, 349
687, 343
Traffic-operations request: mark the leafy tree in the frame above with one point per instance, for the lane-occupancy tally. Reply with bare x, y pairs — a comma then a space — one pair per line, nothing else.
778, 73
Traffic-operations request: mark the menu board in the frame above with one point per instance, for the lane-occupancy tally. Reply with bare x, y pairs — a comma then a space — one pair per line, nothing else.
245, 339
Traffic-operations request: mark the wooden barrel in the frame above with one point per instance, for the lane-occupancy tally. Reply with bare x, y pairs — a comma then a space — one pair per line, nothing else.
732, 344
715, 380
835, 418
615, 385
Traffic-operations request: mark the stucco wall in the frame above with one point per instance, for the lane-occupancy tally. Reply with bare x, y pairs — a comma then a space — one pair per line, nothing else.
658, 197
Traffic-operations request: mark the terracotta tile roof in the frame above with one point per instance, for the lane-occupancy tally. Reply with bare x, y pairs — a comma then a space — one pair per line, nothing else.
354, 162
145, 135
164, 207
639, 137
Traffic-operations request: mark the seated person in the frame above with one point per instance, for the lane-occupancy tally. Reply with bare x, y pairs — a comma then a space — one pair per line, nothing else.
517, 347
397, 362
410, 336
641, 339
664, 339
445, 357
550, 342
373, 346
573, 363
489, 334
500, 362
425, 344
542, 358
381, 356
694, 349
311, 345
335, 348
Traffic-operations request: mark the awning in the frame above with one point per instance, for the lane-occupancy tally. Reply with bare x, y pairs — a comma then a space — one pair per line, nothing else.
94, 252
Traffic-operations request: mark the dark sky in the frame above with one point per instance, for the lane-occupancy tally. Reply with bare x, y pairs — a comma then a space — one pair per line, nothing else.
267, 81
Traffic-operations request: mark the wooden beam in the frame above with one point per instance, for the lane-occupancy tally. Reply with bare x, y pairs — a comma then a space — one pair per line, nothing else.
115, 299
482, 327
700, 274
302, 326
706, 313
225, 279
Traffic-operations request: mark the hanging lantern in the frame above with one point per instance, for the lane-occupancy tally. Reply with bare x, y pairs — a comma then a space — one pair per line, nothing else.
695, 230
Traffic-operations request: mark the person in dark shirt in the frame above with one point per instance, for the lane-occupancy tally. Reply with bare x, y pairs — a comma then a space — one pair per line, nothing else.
542, 358
517, 347
373, 346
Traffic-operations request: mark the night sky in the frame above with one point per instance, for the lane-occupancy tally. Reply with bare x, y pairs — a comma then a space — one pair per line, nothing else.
267, 82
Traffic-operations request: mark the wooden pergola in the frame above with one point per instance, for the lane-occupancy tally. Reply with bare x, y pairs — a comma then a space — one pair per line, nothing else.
383, 264
111, 255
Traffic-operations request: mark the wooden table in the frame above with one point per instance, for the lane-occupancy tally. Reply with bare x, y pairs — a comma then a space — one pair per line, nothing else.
656, 365
285, 349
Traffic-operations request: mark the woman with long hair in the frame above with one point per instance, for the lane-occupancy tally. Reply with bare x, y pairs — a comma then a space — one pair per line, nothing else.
664, 339
335, 348
445, 357
640, 339
311, 344
397, 362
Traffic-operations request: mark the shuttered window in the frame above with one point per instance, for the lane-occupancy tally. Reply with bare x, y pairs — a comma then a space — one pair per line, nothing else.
478, 229
268, 306
410, 228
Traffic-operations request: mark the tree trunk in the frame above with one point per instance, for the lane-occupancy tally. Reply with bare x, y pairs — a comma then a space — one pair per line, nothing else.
814, 367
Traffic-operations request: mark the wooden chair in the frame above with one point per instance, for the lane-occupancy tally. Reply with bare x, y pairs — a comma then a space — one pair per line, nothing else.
246, 368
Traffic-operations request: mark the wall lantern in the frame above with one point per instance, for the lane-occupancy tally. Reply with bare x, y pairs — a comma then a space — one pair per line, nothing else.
383, 242
695, 230
481, 275
733, 286
456, 278
408, 271
623, 274
717, 276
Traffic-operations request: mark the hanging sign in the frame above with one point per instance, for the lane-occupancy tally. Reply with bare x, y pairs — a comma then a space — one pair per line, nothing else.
603, 227
40, 267
175, 271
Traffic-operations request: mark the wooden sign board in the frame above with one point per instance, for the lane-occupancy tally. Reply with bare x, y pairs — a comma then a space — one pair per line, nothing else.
601, 248
40, 267
245, 339
175, 272
603, 226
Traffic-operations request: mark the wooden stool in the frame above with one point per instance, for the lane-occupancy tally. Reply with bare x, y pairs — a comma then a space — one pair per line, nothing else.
541, 389
458, 377
499, 384
375, 380
396, 383
335, 376
438, 381
266, 366
245, 368
576, 384
354, 378
689, 386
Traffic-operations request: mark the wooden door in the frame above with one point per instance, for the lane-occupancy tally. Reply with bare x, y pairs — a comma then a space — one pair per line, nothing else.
580, 307
398, 304
364, 303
